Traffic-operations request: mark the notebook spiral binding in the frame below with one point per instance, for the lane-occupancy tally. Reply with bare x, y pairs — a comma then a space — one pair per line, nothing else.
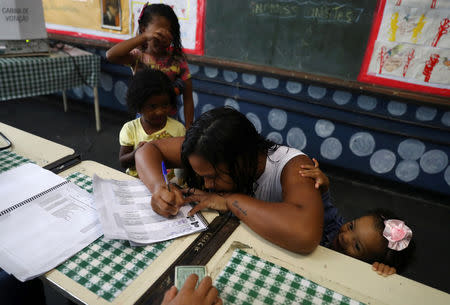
12, 208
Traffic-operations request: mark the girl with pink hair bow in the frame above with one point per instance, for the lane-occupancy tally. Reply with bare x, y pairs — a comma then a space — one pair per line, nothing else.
378, 237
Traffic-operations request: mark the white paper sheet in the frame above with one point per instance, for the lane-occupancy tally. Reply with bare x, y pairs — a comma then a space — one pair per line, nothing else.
23, 182
125, 213
44, 232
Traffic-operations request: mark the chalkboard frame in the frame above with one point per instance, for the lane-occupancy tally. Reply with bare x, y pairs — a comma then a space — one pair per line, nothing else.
355, 86
326, 37
332, 82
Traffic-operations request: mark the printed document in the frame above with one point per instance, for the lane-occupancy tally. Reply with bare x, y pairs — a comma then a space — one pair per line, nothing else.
125, 213
44, 220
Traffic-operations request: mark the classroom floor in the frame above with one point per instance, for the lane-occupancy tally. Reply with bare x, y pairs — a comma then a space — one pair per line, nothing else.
428, 214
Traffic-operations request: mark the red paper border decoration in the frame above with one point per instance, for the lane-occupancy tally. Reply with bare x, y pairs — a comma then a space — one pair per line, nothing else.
364, 77
199, 34
200, 31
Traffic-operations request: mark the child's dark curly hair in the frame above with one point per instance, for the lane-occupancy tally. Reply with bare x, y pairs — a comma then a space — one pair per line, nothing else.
145, 84
393, 258
166, 11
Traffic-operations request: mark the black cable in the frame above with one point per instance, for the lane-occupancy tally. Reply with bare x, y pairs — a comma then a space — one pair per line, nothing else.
8, 142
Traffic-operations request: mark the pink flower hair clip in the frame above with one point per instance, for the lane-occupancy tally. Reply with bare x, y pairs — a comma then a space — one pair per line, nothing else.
397, 233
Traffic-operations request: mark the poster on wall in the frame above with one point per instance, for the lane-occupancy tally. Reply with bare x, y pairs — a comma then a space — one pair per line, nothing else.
409, 47
116, 20
111, 14
190, 15
99, 20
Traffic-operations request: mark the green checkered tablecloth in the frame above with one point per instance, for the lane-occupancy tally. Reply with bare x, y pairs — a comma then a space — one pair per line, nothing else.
9, 160
248, 279
107, 267
30, 76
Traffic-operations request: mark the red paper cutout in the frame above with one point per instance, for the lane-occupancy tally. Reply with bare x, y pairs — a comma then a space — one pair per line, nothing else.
443, 29
429, 66
410, 58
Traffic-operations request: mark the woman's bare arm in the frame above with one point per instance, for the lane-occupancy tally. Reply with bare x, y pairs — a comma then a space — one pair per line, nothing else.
149, 157
148, 160
295, 224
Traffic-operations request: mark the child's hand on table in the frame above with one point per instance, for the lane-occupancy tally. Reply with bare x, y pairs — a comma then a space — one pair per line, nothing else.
383, 269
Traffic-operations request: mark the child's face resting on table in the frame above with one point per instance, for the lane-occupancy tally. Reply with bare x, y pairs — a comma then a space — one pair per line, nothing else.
155, 111
158, 35
360, 239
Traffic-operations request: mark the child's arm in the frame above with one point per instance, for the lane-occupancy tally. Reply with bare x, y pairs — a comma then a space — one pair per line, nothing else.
188, 102
126, 155
383, 269
178, 85
321, 180
120, 53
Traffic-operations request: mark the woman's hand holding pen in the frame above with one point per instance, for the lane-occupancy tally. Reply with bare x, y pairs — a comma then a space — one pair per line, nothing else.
215, 201
167, 203
166, 200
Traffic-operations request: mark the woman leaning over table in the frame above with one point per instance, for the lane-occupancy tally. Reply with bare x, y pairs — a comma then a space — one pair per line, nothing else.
228, 166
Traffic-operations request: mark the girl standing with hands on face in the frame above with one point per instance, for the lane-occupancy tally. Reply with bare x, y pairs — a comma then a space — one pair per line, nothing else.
158, 46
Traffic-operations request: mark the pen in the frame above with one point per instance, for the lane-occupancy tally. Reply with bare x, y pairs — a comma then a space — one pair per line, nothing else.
164, 172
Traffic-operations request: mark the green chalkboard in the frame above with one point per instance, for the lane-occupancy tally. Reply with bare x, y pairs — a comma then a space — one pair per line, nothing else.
326, 37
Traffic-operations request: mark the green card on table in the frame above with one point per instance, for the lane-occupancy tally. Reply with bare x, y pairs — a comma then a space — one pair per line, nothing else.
183, 272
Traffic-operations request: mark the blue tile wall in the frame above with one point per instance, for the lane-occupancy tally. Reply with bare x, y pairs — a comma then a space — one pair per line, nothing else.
396, 140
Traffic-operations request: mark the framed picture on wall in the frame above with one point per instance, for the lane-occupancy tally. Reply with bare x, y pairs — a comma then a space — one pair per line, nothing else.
111, 14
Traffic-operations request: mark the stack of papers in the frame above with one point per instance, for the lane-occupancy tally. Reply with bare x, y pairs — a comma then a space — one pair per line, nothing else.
44, 220
125, 213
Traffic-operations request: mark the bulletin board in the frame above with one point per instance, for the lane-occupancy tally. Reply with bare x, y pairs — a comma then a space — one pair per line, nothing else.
116, 20
409, 46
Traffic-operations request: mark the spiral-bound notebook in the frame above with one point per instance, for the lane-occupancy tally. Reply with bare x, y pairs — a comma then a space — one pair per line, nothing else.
48, 219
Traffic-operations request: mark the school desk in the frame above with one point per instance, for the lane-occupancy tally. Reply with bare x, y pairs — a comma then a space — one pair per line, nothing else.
246, 269
328, 276
26, 147
65, 68
111, 272
243, 265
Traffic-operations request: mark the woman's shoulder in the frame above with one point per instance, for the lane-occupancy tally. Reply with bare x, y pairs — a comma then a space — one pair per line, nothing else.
284, 152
